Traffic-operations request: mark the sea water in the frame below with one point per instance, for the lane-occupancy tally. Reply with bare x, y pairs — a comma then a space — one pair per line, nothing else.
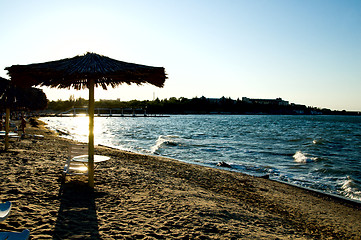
319, 152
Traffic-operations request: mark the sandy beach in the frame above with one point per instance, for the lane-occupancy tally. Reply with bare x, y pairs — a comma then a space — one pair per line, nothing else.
148, 197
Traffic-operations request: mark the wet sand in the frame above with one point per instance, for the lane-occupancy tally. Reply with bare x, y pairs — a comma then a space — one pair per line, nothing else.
146, 197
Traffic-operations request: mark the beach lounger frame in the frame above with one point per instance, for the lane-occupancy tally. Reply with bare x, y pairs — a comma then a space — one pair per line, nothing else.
24, 235
4, 210
73, 167
4, 213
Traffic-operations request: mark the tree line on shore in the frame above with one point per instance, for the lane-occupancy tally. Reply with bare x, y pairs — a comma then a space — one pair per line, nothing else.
196, 105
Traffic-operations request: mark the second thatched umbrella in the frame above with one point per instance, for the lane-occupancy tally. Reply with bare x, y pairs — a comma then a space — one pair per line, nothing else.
19, 99
86, 71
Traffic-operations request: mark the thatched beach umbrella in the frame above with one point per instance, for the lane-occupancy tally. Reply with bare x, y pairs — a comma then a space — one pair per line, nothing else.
3, 83
86, 71
8, 99
12, 97
4, 88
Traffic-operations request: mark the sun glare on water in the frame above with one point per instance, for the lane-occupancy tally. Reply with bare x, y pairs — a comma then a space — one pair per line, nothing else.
80, 126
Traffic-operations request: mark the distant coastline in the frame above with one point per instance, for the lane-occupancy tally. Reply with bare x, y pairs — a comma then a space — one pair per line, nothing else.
202, 105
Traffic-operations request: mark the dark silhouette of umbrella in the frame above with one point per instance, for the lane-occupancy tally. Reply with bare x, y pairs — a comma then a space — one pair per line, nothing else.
20, 99
4, 103
3, 83
86, 71
7, 93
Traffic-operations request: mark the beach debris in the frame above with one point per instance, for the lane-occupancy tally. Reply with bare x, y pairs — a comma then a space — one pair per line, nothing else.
62, 132
33, 122
224, 164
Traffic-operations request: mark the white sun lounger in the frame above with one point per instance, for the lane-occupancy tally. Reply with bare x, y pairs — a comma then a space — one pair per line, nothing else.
72, 167
77, 163
4, 210
24, 235
4, 213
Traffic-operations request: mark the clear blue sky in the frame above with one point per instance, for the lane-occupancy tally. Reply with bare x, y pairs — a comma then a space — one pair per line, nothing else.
304, 51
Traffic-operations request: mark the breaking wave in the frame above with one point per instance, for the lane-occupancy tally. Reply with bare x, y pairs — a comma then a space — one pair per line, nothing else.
311, 151
301, 157
350, 188
165, 141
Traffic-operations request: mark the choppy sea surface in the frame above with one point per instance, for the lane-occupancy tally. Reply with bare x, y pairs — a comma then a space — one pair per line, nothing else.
319, 152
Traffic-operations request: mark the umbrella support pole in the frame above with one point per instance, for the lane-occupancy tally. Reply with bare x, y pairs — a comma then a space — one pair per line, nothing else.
7, 128
91, 134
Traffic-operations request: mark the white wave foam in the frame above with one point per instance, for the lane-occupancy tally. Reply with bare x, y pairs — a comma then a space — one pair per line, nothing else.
347, 185
349, 188
164, 141
302, 158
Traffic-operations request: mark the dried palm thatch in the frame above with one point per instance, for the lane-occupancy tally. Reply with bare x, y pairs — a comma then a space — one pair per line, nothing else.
9, 94
21, 98
75, 72
86, 71
3, 84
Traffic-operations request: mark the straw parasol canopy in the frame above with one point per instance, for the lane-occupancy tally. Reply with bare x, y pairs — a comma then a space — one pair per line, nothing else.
19, 99
75, 72
3, 83
86, 71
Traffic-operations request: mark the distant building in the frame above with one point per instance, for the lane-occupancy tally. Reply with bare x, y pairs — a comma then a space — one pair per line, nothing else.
220, 100
277, 101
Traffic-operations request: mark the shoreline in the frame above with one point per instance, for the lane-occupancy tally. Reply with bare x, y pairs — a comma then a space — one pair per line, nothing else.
229, 168
151, 197
340, 198
318, 166
316, 191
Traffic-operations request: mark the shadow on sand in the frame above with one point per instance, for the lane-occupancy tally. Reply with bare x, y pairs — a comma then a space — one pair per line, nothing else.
77, 217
